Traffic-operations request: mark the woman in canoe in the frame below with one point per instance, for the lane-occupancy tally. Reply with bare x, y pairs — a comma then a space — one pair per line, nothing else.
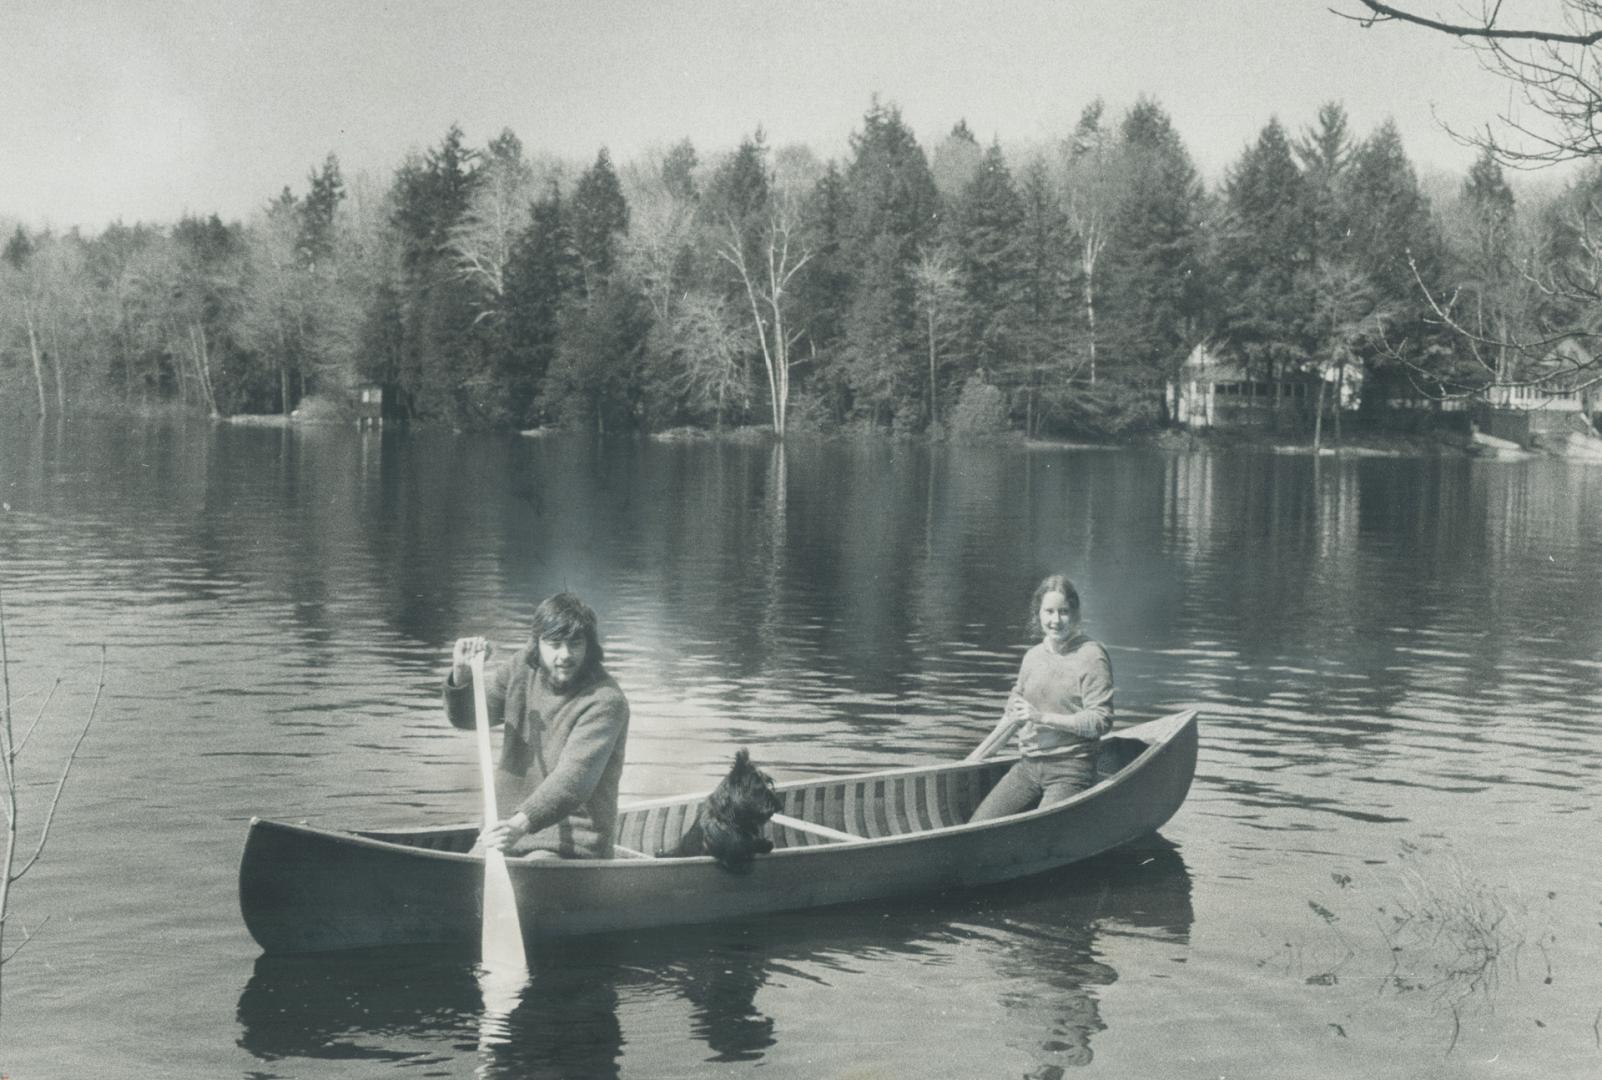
566, 723
1060, 707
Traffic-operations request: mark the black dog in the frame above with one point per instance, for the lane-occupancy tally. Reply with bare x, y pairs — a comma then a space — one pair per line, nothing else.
728, 826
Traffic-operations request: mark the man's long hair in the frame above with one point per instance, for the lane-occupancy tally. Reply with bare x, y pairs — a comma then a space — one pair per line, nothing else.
564, 617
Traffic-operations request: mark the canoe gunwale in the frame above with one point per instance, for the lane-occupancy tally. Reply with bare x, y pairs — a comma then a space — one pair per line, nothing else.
306, 889
1157, 734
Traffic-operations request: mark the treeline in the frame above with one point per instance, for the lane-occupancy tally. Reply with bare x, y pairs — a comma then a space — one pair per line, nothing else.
948, 289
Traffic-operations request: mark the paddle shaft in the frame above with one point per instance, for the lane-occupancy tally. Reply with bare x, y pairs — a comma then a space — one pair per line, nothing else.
486, 761
1000, 735
501, 943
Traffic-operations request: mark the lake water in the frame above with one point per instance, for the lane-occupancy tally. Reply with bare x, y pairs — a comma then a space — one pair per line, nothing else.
1387, 866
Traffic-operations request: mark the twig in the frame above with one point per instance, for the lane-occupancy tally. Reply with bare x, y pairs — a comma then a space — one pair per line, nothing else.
55, 800
26, 735
7, 755
1488, 30
27, 936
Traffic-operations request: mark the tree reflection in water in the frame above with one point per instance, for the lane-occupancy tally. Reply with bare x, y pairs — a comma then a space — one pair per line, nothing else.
410, 1007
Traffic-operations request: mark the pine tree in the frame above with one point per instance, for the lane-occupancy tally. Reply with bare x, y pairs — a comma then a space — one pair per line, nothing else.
431, 196
1324, 153
892, 210
823, 292
598, 215
326, 191
953, 162
1050, 350
1491, 298
1394, 243
1153, 258
989, 220
542, 277
1265, 257
678, 171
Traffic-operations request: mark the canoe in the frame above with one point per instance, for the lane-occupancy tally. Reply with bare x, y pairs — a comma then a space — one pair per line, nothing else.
838, 840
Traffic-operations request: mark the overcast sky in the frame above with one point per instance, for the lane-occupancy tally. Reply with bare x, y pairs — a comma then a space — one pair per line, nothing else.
147, 109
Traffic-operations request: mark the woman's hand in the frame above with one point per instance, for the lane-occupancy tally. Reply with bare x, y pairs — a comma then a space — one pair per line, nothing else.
1025, 715
462, 656
503, 834
1018, 709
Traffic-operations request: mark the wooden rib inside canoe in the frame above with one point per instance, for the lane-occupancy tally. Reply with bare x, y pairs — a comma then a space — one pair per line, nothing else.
836, 840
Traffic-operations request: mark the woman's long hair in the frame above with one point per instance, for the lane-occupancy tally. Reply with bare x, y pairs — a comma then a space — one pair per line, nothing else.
1050, 584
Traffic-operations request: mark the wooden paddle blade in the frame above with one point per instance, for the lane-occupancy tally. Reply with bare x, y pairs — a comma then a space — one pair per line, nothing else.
503, 932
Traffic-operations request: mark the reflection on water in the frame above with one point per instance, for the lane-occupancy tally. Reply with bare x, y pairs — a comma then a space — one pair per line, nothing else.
1385, 652
419, 1006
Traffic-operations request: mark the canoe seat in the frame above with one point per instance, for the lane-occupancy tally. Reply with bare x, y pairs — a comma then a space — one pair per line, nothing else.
787, 822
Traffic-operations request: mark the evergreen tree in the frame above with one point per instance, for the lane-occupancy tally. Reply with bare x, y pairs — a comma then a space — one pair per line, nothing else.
823, 291
542, 276
594, 376
678, 171
734, 209
327, 190
892, 210
1265, 257
1152, 281
201, 319
1050, 346
991, 263
18, 248
737, 193
430, 198
598, 216
1324, 153
1388, 216
1393, 242
1490, 294
953, 162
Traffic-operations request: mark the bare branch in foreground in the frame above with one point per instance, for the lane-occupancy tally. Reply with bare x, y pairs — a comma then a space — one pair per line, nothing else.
66, 770
1485, 30
26, 735
27, 936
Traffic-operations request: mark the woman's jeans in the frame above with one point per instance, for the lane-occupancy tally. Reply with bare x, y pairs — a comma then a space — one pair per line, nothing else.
1036, 781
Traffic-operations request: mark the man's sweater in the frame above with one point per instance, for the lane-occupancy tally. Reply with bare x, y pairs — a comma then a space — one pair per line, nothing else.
561, 754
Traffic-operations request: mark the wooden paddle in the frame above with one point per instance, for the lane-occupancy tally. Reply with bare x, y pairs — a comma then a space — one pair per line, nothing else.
991, 742
999, 735
502, 943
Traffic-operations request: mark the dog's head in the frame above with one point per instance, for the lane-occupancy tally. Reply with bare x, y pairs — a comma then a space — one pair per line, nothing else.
745, 797
737, 810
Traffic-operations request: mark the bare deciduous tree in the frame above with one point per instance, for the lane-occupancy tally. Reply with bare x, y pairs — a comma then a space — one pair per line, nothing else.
1092, 164
481, 243
710, 343
936, 291
768, 289
1556, 69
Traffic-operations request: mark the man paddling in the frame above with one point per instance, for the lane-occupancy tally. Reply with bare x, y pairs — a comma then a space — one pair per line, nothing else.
565, 724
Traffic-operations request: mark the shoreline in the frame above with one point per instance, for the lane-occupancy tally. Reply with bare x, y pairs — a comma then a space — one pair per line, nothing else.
1441, 442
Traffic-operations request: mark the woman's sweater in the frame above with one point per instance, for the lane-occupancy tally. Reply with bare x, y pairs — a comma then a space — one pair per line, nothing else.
1073, 691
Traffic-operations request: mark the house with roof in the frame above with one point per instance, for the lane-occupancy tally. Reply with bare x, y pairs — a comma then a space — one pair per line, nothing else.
1216, 391
1553, 399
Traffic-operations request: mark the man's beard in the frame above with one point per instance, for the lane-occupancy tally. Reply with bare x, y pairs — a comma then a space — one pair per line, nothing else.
562, 680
